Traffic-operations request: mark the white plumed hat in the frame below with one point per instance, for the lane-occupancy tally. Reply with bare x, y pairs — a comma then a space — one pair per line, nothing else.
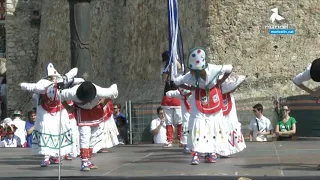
232, 83
51, 71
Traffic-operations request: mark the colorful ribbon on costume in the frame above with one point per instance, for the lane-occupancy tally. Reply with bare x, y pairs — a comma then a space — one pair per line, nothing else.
175, 41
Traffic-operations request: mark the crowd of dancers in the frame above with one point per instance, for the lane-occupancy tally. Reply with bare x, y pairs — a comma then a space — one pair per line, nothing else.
74, 112
78, 113
74, 116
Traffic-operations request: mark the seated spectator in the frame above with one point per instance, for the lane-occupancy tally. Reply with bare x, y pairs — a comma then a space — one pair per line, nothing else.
122, 129
286, 128
2, 132
3, 124
260, 126
158, 128
30, 126
20, 124
121, 122
10, 140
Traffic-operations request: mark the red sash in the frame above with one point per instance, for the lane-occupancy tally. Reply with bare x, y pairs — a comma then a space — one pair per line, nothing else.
166, 101
94, 116
109, 109
51, 106
71, 115
210, 104
227, 104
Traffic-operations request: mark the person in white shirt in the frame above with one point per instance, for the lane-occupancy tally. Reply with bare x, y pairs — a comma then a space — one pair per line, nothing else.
260, 126
10, 140
158, 128
20, 124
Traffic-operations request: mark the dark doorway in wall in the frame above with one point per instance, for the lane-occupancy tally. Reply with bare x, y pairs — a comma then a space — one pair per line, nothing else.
2, 41
2, 9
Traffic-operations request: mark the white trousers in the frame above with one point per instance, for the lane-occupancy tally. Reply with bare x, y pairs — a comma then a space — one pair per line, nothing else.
173, 116
90, 136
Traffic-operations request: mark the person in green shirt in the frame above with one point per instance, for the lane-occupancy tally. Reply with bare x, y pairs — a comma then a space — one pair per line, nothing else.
286, 128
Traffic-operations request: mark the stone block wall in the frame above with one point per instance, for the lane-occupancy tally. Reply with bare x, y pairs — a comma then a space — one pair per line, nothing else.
22, 38
140, 37
128, 37
127, 40
3, 66
54, 38
238, 36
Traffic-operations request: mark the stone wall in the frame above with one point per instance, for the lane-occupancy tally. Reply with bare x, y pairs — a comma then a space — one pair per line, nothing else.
238, 36
54, 38
3, 67
141, 36
128, 38
21, 50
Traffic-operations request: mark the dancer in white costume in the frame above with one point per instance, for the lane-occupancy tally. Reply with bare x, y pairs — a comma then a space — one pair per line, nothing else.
45, 140
107, 139
110, 130
235, 142
312, 72
183, 95
206, 104
171, 105
75, 135
90, 112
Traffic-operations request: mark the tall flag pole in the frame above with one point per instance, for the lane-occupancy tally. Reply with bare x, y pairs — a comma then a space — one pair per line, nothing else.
175, 40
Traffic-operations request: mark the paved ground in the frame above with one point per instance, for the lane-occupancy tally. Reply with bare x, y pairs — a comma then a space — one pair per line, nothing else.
281, 159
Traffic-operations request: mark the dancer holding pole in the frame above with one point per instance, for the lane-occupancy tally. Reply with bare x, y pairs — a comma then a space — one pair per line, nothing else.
50, 112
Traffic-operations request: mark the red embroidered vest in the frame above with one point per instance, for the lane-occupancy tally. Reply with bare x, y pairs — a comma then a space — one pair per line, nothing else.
50, 106
227, 104
96, 113
212, 103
